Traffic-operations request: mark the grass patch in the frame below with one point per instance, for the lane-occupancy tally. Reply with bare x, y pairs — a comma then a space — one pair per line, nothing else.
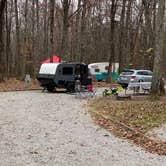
131, 119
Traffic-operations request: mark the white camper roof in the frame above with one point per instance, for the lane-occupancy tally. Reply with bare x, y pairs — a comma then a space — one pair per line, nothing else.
98, 64
48, 68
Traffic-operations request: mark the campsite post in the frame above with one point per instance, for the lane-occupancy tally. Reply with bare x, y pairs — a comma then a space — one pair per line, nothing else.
27, 80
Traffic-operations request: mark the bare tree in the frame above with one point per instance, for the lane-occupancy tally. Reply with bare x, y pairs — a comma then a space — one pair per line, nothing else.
76, 43
45, 29
9, 11
25, 36
2, 58
52, 5
112, 39
83, 31
121, 37
64, 44
90, 32
18, 59
157, 81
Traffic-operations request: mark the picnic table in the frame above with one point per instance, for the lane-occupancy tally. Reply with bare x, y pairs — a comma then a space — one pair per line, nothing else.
139, 87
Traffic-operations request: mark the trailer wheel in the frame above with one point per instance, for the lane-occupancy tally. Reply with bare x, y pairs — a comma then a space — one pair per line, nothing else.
50, 89
70, 87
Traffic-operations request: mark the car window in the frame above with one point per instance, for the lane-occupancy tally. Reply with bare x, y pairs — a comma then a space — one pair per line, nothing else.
148, 73
142, 73
127, 72
139, 73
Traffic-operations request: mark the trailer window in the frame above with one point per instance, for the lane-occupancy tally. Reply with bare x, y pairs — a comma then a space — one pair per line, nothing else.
67, 71
97, 70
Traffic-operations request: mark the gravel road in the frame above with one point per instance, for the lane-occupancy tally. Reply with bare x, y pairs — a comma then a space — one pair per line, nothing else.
42, 129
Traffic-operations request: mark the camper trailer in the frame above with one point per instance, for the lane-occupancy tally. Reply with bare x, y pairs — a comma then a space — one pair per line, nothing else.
100, 70
63, 75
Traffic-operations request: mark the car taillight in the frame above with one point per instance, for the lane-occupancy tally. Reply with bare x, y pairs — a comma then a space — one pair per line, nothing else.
133, 77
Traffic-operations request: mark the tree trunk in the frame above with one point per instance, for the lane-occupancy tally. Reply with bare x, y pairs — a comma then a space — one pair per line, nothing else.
33, 60
121, 37
45, 43
83, 32
127, 38
8, 30
147, 32
52, 5
25, 38
157, 81
18, 54
37, 35
2, 58
112, 41
64, 44
76, 42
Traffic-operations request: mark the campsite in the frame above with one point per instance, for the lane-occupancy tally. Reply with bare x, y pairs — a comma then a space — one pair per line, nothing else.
82, 82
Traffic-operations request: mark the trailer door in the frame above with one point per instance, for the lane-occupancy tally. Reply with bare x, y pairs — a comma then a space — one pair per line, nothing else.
84, 74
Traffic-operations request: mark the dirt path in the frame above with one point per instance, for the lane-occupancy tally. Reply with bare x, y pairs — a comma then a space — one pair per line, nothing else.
42, 129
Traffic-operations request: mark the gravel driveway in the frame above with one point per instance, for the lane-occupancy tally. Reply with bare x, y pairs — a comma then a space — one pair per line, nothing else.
42, 129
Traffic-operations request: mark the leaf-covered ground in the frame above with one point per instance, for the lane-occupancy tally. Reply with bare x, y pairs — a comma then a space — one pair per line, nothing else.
13, 84
131, 120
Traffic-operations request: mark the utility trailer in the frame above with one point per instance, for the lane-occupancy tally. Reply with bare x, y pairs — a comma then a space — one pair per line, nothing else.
63, 75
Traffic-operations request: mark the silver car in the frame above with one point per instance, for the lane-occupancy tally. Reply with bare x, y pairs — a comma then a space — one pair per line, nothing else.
132, 75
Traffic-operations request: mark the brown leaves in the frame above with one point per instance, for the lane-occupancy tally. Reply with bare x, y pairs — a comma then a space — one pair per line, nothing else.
14, 84
131, 120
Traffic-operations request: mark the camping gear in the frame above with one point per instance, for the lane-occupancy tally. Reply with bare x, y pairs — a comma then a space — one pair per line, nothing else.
27, 80
112, 91
107, 92
55, 59
63, 75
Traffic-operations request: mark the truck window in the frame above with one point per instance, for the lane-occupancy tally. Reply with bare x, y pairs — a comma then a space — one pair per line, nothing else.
67, 71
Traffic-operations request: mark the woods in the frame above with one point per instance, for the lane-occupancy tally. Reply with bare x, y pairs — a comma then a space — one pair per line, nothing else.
129, 32
2, 58
157, 82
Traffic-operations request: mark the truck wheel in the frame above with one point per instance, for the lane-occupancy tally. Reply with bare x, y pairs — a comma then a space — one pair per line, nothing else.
50, 88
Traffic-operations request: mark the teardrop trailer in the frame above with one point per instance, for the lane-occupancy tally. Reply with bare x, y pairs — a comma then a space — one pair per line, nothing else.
63, 75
